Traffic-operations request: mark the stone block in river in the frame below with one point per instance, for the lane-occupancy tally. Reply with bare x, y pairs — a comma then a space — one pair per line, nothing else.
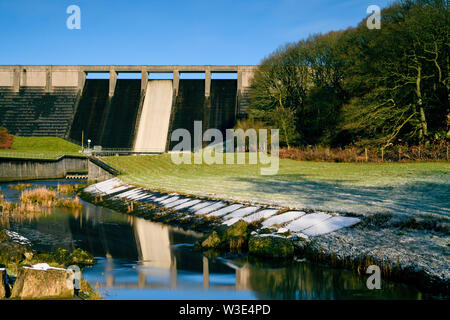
51, 283
212, 242
283, 218
330, 225
224, 211
267, 213
211, 208
307, 221
242, 212
270, 246
239, 229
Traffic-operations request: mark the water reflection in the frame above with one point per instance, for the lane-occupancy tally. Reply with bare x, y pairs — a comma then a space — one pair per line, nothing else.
139, 259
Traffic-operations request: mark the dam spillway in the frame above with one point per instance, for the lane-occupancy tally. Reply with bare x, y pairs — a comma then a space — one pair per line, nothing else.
121, 114
154, 121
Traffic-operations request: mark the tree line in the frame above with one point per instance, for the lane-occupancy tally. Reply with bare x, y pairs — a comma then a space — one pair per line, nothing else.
361, 86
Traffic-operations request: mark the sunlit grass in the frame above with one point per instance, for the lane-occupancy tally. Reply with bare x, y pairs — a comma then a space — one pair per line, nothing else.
331, 186
40, 148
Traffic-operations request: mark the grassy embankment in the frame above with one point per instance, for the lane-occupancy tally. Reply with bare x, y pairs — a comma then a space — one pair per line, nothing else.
40, 148
420, 188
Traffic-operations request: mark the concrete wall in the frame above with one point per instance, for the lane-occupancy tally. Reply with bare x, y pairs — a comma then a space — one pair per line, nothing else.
247, 76
65, 78
97, 173
154, 121
6, 78
33, 78
29, 169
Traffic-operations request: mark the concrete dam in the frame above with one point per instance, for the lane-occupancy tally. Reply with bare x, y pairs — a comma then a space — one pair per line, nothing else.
114, 113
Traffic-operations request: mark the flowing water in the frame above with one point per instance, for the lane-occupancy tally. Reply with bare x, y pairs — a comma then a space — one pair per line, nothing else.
139, 259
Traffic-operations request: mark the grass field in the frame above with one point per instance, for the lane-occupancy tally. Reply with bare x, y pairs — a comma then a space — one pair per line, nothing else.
40, 147
414, 188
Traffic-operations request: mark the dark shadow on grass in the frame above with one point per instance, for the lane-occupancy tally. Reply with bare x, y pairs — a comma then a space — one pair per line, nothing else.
416, 198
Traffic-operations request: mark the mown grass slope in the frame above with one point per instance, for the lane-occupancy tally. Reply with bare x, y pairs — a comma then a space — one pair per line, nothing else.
40, 147
415, 188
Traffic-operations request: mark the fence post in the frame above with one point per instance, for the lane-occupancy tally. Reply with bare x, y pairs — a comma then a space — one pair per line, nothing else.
365, 151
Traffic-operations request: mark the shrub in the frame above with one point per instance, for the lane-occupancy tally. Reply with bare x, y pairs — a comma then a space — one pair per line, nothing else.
434, 152
6, 139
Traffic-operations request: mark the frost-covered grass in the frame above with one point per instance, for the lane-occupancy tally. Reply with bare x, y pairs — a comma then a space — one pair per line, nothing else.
415, 188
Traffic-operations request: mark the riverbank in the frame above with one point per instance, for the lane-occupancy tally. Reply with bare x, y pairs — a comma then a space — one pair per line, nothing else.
414, 251
29, 274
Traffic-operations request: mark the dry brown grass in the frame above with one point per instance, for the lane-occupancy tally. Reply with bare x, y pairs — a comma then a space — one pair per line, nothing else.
433, 152
34, 202
41, 196
9, 208
68, 189
20, 186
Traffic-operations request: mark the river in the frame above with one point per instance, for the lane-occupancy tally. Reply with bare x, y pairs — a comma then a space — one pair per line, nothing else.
140, 259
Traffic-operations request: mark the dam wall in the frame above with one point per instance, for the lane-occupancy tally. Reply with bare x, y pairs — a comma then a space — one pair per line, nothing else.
223, 111
120, 118
90, 112
34, 112
188, 107
117, 113
13, 169
154, 120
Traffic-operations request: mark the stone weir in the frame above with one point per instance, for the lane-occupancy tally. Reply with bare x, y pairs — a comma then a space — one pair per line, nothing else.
295, 223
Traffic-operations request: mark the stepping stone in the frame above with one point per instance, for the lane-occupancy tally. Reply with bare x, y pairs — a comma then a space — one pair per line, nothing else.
132, 194
168, 200
104, 186
119, 189
176, 203
201, 205
187, 204
225, 210
162, 198
308, 220
231, 221
126, 193
242, 212
138, 195
142, 197
283, 218
330, 225
260, 214
211, 208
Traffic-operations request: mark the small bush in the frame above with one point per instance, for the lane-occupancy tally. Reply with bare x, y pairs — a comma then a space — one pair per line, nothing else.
434, 152
20, 186
6, 139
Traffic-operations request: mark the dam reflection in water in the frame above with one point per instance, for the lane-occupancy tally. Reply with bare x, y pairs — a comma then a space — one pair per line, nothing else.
168, 267
161, 262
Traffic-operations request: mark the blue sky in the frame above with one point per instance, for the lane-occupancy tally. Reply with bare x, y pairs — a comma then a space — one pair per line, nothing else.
165, 32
